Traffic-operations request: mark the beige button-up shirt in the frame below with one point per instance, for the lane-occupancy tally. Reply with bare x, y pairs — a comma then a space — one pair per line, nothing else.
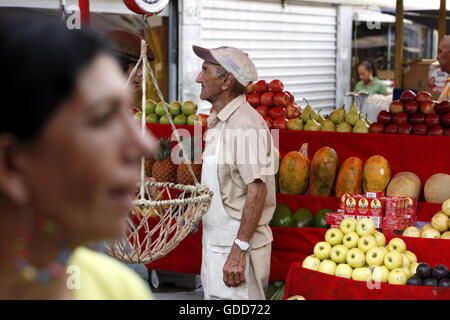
246, 154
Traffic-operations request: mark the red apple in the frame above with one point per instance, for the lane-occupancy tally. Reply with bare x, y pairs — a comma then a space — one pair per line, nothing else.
263, 110
405, 128
418, 118
384, 117
396, 107
411, 107
276, 86
407, 96
267, 98
269, 121
436, 131
280, 123
432, 119
442, 107
250, 88
445, 120
291, 96
292, 111
427, 107
281, 99
423, 96
420, 129
376, 127
277, 112
447, 132
261, 86
392, 128
400, 118
254, 99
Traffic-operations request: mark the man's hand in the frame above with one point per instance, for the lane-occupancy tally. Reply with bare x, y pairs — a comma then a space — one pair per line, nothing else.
234, 268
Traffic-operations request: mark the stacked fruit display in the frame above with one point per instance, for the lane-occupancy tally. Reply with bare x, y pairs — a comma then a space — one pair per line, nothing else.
438, 229
342, 121
283, 217
322, 177
427, 276
414, 114
275, 105
164, 169
182, 113
357, 251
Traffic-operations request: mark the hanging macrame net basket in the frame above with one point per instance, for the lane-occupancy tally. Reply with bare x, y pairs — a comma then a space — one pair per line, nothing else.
163, 213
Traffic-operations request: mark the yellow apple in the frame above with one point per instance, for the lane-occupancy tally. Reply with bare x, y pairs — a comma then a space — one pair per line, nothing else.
356, 258
338, 253
322, 250
397, 276
380, 274
393, 260
350, 240
375, 257
380, 238
334, 236
344, 270
397, 244
362, 274
411, 256
407, 272
406, 262
348, 225
365, 227
413, 268
296, 298
311, 263
327, 266
365, 243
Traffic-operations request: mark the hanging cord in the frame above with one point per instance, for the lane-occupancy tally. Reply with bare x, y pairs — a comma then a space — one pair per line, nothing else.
161, 98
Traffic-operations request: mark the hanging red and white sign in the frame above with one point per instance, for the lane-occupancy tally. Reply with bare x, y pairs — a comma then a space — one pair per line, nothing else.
146, 7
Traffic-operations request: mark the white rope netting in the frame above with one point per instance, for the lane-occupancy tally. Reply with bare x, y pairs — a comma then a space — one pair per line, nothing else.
163, 213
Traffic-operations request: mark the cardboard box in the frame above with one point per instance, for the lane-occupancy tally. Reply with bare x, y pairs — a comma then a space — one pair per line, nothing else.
425, 74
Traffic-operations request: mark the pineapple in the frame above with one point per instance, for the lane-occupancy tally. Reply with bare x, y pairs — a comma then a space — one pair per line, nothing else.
164, 170
148, 165
184, 176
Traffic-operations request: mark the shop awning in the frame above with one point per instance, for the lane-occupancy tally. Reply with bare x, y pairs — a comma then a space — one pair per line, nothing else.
429, 18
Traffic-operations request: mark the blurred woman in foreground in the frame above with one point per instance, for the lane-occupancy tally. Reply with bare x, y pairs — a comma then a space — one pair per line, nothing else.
69, 163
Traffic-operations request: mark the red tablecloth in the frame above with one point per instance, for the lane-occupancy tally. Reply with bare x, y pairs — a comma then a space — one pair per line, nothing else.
424, 156
318, 286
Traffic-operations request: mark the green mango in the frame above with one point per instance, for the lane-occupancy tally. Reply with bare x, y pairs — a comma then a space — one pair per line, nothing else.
303, 218
320, 218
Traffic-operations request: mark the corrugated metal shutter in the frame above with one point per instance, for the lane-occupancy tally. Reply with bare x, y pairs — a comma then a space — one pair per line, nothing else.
296, 44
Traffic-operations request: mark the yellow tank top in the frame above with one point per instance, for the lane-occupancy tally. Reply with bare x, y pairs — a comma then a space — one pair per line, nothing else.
95, 276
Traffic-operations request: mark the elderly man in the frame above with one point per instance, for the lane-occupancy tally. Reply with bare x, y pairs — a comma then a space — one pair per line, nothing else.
444, 61
236, 235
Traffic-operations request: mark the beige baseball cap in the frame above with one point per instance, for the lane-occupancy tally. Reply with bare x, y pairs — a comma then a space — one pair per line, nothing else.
234, 60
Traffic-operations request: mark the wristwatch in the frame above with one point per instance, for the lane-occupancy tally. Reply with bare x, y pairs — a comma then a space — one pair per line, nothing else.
244, 246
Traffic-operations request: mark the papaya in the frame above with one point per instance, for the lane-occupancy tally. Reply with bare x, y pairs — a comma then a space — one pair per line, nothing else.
293, 176
323, 171
376, 174
349, 179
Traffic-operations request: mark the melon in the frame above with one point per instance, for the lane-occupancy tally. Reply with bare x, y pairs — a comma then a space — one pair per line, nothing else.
437, 188
404, 184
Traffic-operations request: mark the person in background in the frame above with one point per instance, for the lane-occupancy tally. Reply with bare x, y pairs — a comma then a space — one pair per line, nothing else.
368, 80
237, 239
69, 163
444, 61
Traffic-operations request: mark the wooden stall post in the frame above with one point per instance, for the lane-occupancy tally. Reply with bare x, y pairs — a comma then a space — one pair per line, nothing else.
399, 45
442, 20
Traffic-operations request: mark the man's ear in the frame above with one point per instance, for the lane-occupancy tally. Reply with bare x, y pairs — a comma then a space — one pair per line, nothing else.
12, 184
228, 81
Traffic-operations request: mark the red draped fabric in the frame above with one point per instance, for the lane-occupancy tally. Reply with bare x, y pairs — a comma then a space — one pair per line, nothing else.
424, 156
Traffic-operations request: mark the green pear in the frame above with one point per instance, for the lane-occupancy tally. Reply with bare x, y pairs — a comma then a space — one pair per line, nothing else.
295, 124
351, 117
306, 115
354, 107
361, 126
312, 125
320, 118
314, 115
344, 127
328, 125
338, 116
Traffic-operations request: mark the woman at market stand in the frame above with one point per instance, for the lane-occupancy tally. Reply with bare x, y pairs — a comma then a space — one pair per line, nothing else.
236, 235
69, 163
369, 81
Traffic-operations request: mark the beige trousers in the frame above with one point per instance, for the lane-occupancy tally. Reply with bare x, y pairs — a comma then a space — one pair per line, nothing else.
256, 274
